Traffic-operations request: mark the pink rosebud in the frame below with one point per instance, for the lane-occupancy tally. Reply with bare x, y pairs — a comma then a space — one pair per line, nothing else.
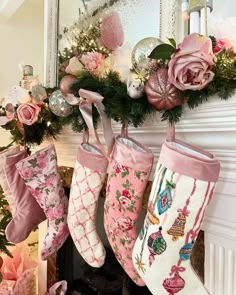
222, 44
92, 60
50, 214
191, 65
126, 194
112, 34
27, 113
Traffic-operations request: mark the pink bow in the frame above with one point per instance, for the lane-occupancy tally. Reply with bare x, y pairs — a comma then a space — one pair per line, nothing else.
9, 114
176, 269
53, 290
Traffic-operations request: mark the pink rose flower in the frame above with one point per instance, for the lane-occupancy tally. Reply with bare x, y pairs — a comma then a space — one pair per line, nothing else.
27, 113
222, 44
51, 181
26, 172
125, 224
42, 161
191, 65
126, 194
74, 67
92, 60
124, 201
59, 211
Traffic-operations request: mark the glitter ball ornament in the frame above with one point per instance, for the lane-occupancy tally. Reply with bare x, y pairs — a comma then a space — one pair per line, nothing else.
140, 53
66, 84
58, 105
160, 92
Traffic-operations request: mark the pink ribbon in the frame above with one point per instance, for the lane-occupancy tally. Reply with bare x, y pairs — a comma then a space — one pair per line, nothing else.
176, 269
9, 114
53, 290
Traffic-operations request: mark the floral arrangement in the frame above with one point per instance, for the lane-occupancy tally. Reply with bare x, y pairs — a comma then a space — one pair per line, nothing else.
164, 79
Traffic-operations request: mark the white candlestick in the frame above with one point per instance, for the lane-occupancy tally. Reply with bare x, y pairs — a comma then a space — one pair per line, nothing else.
204, 16
194, 24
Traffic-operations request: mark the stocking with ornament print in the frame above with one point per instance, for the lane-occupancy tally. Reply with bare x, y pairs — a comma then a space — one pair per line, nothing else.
128, 174
40, 174
183, 186
88, 179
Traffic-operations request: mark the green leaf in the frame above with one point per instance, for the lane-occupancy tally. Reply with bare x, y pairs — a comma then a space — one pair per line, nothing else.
172, 42
162, 51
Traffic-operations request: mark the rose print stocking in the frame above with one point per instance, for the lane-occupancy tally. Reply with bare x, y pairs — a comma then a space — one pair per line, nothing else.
183, 186
128, 175
40, 174
88, 179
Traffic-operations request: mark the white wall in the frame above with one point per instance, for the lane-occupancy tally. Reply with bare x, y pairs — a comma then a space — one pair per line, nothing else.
21, 39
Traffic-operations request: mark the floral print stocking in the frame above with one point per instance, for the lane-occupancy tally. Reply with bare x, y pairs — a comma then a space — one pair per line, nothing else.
40, 174
128, 175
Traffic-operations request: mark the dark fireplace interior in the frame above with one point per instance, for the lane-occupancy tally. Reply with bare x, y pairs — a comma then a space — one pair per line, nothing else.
110, 278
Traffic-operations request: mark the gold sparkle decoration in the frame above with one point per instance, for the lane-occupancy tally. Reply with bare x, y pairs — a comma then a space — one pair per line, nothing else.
140, 264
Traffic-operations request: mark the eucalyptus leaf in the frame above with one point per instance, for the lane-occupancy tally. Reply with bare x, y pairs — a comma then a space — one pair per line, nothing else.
162, 51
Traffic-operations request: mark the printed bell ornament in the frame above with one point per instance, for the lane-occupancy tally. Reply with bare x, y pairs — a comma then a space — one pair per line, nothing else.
160, 92
177, 229
58, 105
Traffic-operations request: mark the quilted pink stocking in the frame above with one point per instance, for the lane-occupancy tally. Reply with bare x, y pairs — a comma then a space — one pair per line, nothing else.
28, 213
42, 178
182, 188
128, 175
88, 179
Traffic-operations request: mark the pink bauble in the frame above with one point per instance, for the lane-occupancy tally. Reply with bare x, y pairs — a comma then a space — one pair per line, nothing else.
174, 285
66, 84
160, 92
112, 34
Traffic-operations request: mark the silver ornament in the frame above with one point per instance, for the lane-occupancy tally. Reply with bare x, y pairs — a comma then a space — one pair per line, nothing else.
58, 105
140, 53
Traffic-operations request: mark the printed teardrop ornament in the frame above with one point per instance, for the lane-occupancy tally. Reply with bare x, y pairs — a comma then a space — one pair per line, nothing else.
174, 285
160, 92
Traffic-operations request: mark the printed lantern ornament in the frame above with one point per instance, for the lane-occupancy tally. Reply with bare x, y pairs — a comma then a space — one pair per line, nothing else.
165, 200
156, 245
160, 92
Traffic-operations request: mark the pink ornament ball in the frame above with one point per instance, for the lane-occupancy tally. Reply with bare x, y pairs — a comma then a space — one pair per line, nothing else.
112, 34
66, 84
160, 92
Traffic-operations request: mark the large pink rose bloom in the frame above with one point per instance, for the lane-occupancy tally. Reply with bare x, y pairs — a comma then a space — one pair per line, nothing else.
27, 113
191, 65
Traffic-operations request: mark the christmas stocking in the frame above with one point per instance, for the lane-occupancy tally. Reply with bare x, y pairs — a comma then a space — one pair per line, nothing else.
28, 213
183, 186
3, 180
128, 175
40, 174
88, 179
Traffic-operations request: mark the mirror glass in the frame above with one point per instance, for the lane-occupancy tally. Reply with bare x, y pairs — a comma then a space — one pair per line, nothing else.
139, 19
